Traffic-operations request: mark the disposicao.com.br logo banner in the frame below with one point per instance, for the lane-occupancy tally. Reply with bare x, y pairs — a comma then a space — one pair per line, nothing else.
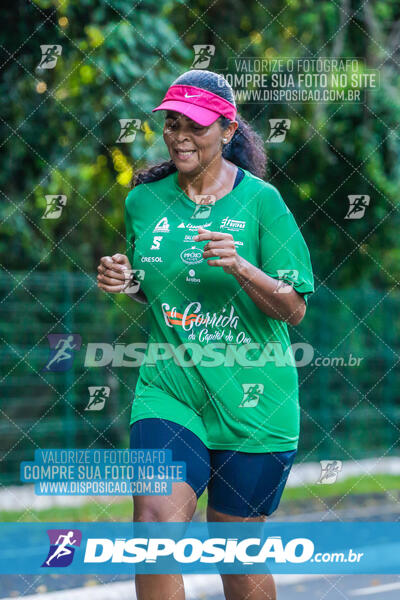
97, 548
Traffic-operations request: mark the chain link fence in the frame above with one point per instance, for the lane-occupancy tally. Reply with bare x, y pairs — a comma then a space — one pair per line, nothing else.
350, 402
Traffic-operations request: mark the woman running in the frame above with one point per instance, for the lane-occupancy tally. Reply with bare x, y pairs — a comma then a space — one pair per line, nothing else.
223, 267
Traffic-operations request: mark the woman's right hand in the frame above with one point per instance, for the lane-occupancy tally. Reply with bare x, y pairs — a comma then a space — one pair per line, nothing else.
113, 273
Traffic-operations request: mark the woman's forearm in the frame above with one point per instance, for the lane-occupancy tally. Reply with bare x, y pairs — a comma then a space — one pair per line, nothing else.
274, 298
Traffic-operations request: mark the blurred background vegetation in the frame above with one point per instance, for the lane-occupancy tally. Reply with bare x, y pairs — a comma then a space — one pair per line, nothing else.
59, 132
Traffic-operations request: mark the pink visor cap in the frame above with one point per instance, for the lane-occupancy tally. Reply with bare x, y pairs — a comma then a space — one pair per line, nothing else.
200, 105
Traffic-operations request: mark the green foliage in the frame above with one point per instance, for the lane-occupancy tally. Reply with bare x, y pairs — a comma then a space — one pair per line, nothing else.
47, 409
61, 125
333, 150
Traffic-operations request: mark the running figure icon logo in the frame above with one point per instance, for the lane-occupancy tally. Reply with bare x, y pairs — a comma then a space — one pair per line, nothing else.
202, 56
357, 206
330, 470
62, 348
133, 279
286, 280
251, 394
50, 55
129, 129
279, 129
203, 206
62, 547
98, 396
54, 206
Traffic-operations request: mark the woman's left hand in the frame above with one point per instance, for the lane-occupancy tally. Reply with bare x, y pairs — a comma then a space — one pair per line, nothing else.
220, 245
259, 286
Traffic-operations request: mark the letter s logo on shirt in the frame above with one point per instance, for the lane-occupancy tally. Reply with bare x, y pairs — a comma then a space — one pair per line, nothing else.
156, 242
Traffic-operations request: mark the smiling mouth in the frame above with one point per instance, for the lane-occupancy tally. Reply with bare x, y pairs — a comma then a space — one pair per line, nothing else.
182, 154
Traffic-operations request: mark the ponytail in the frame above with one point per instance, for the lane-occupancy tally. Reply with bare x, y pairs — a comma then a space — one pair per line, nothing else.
246, 148
153, 173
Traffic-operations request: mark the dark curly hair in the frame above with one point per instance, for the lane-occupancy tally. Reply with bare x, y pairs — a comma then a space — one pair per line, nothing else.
246, 148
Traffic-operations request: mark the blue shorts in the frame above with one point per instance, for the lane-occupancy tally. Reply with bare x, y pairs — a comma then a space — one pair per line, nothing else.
239, 483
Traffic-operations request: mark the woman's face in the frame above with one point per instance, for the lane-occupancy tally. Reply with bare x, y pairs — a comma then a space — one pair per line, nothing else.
191, 146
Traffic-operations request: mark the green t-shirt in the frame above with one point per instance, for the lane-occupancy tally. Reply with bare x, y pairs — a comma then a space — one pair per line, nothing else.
215, 362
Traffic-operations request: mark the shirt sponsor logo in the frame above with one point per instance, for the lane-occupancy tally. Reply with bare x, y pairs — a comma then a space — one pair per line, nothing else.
151, 259
193, 228
192, 316
232, 224
162, 226
191, 277
156, 242
189, 238
192, 256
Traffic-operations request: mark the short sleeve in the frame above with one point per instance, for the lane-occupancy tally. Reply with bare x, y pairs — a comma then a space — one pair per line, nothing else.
130, 236
283, 251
